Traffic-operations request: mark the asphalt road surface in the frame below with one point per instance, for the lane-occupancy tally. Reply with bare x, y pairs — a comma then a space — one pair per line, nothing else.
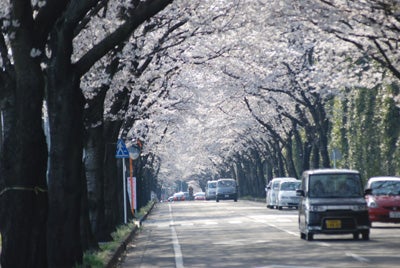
247, 234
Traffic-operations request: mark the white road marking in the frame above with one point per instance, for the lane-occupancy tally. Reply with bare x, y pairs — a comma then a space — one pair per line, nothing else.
357, 257
323, 244
235, 222
211, 223
240, 242
175, 242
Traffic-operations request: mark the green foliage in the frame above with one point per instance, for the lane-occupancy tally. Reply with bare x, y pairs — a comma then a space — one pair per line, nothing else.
98, 259
366, 130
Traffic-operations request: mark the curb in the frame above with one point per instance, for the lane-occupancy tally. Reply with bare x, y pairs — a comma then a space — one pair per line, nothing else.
115, 258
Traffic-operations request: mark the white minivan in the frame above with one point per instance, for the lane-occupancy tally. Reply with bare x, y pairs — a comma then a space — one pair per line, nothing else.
210, 190
273, 189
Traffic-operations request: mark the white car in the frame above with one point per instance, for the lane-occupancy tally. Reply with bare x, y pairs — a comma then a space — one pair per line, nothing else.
287, 194
272, 190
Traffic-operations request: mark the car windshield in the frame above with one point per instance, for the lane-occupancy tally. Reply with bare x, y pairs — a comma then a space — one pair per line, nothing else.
212, 185
386, 187
335, 185
290, 186
226, 183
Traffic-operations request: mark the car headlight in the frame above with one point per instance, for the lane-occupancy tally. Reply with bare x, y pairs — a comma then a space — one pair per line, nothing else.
314, 208
371, 203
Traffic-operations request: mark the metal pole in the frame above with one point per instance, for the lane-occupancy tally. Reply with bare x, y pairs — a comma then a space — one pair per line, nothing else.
124, 190
334, 158
132, 192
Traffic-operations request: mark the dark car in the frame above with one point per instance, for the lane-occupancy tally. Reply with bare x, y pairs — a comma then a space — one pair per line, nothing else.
332, 201
384, 199
226, 189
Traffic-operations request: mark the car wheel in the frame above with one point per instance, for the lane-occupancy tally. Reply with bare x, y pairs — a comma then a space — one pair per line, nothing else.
309, 236
365, 235
279, 207
356, 236
302, 236
216, 199
235, 200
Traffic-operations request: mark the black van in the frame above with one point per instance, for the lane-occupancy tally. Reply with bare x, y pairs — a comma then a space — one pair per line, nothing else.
332, 201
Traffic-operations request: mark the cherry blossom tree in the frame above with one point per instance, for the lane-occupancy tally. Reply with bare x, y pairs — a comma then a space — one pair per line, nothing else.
300, 49
212, 88
40, 36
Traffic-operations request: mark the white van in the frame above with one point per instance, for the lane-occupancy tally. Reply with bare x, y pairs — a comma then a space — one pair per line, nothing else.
273, 189
211, 190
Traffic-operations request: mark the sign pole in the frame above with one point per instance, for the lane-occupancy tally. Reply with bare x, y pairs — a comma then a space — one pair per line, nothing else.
122, 152
124, 188
132, 193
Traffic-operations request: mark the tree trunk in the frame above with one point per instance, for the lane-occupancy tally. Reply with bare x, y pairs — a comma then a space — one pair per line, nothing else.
23, 194
23, 191
113, 195
93, 161
88, 240
65, 103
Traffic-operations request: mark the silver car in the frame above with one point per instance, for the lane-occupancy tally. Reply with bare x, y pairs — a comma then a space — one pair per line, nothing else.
210, 190
273, 189
287, 196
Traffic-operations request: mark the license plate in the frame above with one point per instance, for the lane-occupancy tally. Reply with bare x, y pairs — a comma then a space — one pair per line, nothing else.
227, 195
333, 224
394, 214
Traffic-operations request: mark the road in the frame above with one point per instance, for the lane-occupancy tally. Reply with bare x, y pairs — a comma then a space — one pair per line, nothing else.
247, 234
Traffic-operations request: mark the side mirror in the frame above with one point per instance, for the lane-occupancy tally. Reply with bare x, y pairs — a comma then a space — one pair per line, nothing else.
368, 192
299, 192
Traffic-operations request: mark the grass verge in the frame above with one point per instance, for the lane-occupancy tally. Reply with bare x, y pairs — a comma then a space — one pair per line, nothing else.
102, 257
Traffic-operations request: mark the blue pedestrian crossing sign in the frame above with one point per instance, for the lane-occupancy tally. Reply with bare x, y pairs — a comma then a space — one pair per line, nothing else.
122, 151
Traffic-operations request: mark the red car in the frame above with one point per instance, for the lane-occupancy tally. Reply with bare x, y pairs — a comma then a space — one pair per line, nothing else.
384, 199
179, 196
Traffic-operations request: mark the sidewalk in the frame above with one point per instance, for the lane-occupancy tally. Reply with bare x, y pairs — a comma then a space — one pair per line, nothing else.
116, 256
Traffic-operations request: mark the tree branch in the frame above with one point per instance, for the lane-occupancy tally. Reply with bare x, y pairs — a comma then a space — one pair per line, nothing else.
143, 11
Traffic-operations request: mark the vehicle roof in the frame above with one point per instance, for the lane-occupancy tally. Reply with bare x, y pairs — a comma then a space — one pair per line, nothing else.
226, 179
283, 178
290, 181
330, 171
